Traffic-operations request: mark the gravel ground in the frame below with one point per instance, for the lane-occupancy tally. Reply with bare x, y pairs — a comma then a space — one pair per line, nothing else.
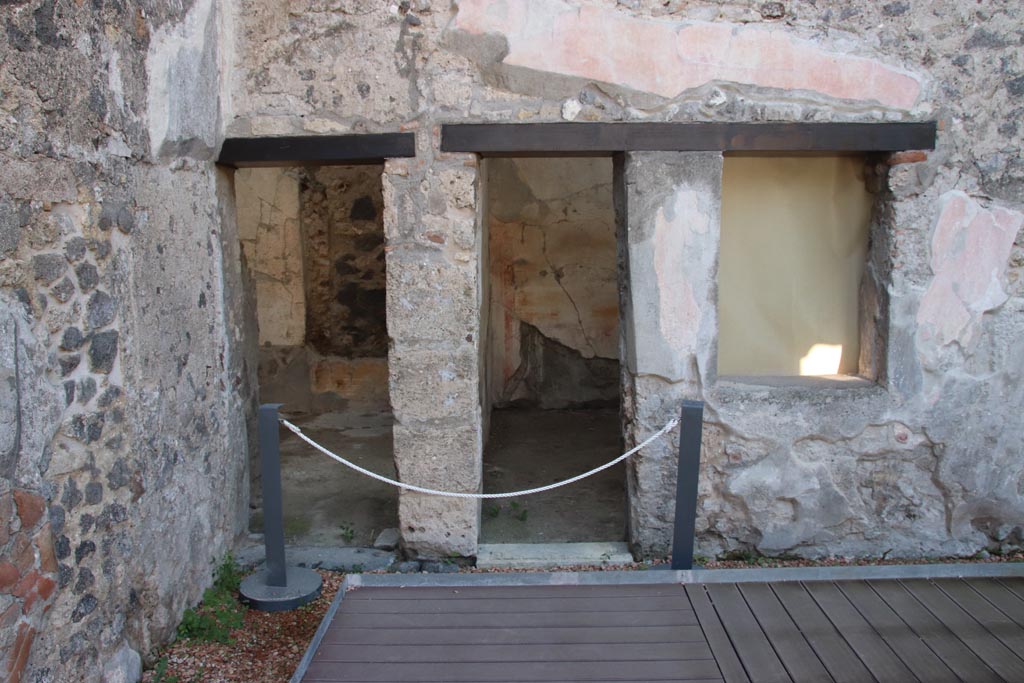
266, 649
269, 645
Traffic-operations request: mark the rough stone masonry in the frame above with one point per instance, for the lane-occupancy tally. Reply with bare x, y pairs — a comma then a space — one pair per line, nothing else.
129, 342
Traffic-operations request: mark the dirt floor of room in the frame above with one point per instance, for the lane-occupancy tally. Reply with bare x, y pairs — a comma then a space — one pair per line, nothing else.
325, 503
530, 448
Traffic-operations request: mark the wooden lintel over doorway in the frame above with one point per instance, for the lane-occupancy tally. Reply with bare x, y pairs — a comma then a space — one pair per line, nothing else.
526, 139
317, 150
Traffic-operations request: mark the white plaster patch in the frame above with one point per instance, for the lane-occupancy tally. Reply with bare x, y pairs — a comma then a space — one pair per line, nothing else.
680, 313
114, 81
571, 108
969, 254
183, 95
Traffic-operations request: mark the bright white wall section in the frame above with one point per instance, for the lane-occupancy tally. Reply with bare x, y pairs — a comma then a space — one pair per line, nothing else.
793, 243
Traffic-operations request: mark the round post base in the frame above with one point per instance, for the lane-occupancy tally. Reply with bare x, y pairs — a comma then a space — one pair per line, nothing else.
303, 587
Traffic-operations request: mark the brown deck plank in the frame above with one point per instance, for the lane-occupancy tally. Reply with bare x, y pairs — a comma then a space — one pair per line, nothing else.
834, 652
606, 652
751, 643
918, 657
416, 672
941, 630
1014, 585
796, 654
519, 605
523, 636
973, 634
518, 620
997, 594
728, 662
477, 592
865, 641
995, 622
943, 642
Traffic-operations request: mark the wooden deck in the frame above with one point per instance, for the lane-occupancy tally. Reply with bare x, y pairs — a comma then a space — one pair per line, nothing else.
874, 630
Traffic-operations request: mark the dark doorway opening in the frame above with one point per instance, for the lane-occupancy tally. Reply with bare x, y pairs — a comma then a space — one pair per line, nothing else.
552, 384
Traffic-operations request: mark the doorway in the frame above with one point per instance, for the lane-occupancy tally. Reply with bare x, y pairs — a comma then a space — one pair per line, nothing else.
313, 251
552, 384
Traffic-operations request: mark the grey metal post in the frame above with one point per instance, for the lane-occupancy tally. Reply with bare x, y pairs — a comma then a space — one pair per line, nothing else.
273, 511
690, 429
276, 587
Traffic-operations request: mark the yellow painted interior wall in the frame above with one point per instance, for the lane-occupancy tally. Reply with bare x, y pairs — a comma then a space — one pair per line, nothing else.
793, 247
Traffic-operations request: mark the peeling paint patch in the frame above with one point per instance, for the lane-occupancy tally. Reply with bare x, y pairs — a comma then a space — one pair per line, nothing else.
601, 44
969, 253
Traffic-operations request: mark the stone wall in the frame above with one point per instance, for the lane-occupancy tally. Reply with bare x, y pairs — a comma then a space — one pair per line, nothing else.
124, 384
270, 229
344, 245
553, 283
313, 244
123, 297
901, 464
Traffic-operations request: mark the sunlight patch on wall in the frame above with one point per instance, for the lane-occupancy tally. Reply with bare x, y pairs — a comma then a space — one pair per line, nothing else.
822, 359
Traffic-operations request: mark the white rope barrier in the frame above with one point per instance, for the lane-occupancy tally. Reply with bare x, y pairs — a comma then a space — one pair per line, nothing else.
453, 494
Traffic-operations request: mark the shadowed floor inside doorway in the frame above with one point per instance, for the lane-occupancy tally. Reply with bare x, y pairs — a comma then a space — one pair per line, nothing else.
530, 448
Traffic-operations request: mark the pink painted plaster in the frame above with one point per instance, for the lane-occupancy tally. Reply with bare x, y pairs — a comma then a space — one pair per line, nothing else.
970, 250
667, 57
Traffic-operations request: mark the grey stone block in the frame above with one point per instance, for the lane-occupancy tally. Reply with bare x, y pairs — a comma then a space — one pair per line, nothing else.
387, 539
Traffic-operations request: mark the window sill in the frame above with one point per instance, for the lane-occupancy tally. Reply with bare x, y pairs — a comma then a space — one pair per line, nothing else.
797, 381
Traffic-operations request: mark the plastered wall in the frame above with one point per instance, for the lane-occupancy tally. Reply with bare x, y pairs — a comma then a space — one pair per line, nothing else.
553, 282
813, 467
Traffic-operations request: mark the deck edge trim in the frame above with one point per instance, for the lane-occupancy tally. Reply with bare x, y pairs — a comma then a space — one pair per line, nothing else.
637, 577
350, 580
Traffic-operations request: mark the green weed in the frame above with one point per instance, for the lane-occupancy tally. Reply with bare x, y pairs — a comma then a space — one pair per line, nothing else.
219, 612
160, 672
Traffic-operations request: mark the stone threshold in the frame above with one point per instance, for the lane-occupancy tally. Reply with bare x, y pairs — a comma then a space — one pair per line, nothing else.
551, 555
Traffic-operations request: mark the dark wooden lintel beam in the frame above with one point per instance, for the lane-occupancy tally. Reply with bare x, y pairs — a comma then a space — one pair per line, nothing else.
525, 139
317, 150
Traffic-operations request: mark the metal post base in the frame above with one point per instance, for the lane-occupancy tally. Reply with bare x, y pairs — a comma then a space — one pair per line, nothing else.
303, 586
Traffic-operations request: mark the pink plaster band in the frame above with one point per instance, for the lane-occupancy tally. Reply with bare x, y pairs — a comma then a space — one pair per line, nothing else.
667, 58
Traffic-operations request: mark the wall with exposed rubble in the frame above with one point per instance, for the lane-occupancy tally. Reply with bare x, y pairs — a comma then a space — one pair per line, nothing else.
125, 382
313, 244
905, 465
129, 338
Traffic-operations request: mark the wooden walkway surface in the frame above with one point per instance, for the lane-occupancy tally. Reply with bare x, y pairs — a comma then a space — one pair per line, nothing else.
876, 630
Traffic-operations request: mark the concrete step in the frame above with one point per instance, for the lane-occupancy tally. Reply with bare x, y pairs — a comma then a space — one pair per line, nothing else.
550, 555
